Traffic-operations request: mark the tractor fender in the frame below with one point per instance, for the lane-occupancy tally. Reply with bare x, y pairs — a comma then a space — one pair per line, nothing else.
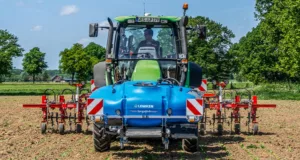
99, 74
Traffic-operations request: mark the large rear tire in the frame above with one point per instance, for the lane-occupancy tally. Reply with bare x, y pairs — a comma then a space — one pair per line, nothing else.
190, 145
101, 140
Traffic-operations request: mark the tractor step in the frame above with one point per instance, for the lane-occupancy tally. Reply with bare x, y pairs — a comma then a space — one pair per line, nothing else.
184, 136
144, 132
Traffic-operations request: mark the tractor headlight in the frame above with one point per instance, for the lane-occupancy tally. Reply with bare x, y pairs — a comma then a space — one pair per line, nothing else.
118, 112
169, 111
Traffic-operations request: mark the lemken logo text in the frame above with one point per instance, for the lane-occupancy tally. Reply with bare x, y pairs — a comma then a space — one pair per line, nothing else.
143, 106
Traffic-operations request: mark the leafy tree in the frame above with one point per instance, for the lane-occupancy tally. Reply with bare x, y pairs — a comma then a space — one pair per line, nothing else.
45, 76
271, 51
165, 37
95, 50
9, 48
77, 62
34, 62
52, 73
24, 76
67, 62
138, 36
255, 57
212, 53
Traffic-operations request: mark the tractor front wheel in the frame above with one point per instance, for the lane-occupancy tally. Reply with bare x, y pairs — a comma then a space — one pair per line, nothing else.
101, 139
190, 145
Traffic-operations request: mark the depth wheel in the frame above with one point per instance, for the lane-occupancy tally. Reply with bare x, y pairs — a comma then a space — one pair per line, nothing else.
190, 145
101, 140
61, 128
43, 128
255, 129
78, 128
237, 128
220, 129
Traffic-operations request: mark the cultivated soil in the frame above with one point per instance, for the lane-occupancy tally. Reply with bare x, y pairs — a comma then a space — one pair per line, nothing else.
21, 138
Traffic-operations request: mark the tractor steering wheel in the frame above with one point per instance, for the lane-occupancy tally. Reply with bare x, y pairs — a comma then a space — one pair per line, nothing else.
172, 80
144, 56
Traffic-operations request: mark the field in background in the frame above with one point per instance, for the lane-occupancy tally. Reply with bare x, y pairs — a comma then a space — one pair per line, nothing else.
279, 91
33, 89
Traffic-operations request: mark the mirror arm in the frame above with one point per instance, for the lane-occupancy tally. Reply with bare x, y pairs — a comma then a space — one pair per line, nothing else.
108, 49
107, 27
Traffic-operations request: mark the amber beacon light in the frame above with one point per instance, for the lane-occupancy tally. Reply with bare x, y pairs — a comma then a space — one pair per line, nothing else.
185, 6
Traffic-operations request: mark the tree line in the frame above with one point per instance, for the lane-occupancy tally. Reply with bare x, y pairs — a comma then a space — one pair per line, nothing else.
271, 51
76, 61
268, 53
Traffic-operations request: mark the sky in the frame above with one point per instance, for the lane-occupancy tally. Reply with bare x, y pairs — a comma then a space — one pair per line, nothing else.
53, 25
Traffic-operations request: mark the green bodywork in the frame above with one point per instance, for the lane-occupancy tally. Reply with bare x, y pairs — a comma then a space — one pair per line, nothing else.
122, 19
147, 70
187, 82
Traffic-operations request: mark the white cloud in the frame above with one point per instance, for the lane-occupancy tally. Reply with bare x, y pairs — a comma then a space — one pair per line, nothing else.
20, 3
37, 28
67, 10
85, 41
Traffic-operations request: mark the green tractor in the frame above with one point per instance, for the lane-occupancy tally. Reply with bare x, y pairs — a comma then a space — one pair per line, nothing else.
146, 84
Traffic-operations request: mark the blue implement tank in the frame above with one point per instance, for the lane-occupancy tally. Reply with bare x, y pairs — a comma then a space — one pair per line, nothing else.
148, 99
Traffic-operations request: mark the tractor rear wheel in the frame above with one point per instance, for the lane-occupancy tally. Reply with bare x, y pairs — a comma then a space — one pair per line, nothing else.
101, 140
190, 145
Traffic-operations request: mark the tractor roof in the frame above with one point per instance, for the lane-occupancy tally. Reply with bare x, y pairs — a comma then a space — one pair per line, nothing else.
169, 18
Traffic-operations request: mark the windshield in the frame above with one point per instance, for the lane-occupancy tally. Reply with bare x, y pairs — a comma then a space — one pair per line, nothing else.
142, 42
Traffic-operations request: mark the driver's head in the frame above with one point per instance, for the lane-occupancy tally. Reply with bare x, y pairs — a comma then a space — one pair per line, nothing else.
148, 33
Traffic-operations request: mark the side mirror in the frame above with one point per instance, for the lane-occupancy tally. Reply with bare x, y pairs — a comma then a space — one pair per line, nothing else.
201, 31
93, 30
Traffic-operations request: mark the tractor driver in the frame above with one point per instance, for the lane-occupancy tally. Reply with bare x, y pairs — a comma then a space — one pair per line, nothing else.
149, 42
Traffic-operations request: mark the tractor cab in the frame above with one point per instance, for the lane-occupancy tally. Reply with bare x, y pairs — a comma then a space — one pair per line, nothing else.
147, 48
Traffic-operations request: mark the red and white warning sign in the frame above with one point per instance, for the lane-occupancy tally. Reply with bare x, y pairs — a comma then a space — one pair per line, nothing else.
95, 107
203, 86
194, 107
93, 86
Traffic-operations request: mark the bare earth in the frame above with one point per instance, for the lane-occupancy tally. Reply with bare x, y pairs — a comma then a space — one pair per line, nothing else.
20, 138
